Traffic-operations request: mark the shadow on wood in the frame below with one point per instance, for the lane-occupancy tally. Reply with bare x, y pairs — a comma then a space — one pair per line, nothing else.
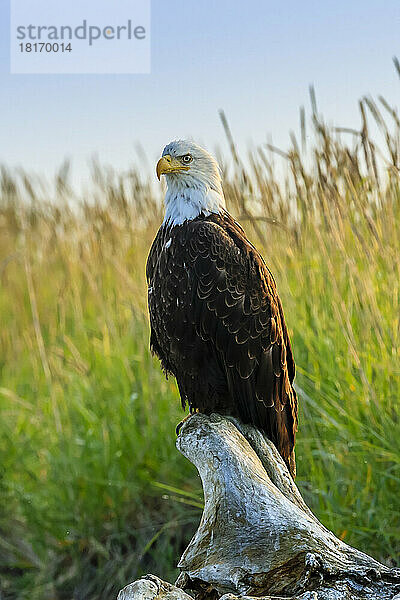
256, 536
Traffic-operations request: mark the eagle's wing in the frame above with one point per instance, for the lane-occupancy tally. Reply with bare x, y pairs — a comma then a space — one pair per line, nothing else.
236, 308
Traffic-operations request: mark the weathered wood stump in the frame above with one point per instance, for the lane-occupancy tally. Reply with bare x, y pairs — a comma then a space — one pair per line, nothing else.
257, 537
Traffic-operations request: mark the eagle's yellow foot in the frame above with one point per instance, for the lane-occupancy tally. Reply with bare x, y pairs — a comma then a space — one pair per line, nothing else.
179, 426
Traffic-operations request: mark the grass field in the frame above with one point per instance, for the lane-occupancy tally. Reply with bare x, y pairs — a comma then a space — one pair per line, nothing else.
92, 490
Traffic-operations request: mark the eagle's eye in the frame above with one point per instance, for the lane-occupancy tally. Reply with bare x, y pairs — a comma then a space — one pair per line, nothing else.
187, 158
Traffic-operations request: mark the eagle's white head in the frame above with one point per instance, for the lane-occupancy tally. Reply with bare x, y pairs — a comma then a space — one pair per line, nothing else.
194, 183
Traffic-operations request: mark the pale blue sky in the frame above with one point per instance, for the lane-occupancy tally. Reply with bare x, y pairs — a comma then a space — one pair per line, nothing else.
254, 59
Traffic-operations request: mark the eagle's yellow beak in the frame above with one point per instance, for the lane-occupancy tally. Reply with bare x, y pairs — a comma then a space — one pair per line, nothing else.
167, 164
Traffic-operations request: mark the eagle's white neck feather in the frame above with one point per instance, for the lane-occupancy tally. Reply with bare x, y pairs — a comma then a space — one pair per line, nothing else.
198, 191
185, 205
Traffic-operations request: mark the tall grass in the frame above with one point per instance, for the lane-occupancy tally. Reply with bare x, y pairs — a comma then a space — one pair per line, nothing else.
92, 490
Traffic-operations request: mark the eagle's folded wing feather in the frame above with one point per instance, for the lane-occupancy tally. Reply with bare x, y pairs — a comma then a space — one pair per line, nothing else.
235, 306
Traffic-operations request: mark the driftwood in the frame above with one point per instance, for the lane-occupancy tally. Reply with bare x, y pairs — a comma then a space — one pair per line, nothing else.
151, 587
257, 537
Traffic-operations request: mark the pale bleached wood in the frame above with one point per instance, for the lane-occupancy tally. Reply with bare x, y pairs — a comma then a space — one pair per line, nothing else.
150, 587
257, 537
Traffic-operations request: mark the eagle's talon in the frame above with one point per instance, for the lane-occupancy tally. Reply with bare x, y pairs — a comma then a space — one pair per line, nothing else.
178, 428
180, 424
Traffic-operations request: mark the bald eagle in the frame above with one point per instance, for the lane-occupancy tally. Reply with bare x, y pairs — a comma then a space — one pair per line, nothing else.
216, 319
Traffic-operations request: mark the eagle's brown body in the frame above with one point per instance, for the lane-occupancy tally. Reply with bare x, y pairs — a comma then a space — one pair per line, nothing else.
217, 325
